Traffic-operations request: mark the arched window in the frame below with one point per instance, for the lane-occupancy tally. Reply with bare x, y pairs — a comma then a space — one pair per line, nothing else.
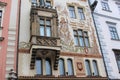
70, 67
48, 67
95, 68
87, 64
38, 65
61, 67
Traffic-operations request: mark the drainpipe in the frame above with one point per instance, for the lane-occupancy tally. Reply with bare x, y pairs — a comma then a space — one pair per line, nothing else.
98, 39
17, 56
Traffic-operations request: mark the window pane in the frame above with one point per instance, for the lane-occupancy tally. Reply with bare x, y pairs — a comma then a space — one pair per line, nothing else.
42, 2
75, 32
48, 67
38, 66
48, 31
81, 14
0, 14
80, 32
61, 67
48, 3
87, 64
86, 42
81, 41
72, 11
42, 21
76, 41
95, 68
48, 22
34, 2
70, 67
41, 30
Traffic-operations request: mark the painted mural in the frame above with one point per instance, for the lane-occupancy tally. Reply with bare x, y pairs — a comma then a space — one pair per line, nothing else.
65, 30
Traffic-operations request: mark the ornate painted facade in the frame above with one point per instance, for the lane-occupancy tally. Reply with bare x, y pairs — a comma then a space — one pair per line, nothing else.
58, 40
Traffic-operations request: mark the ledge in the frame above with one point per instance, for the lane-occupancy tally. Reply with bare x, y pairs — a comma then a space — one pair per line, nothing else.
1, 38
3, 3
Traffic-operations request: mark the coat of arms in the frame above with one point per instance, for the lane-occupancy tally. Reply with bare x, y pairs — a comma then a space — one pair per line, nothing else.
80, 66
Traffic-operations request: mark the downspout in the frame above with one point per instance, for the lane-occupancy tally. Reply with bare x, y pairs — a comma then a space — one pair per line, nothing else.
99, 41
18, 39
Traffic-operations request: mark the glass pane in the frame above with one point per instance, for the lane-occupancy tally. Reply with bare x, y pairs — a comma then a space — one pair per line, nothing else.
76, 41
38, 65
75, 32
118, 62
72, 11
87, 64
41, 30
95, 68
61, 67
85, 33
70, 67
42, 21
81, 41
48, 22
42, 2
48, 31
48, 67
48, 3
80, 32
86, 42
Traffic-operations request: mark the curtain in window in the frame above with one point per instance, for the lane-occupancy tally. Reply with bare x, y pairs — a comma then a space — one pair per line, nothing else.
87, 64
70, 67
48, 67
61, 67
95, 68
38, 65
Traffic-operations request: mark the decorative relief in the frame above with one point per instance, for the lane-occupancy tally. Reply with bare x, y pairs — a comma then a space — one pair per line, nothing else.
80, 69
24, 45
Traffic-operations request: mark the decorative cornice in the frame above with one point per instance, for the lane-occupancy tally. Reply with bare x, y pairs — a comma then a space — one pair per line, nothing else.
89, 55
110, 17
27, 51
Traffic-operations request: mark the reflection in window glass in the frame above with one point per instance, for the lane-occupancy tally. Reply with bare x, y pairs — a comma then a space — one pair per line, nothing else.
70, 67
38, 65
87, 65
61, 67
48, 67
95, 68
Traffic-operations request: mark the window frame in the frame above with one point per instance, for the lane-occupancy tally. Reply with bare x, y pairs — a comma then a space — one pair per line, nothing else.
88, 67
50, 66
72, 11
68, 67
113, 32
45, 26
83, 38
81, 13
95, 65
105, 6
63, 63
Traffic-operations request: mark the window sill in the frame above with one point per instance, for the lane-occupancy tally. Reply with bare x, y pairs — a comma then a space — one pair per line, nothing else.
115, 39
107, 10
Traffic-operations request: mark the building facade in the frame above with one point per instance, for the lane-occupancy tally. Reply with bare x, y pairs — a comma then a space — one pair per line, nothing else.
8, 36
107, 19
57, 40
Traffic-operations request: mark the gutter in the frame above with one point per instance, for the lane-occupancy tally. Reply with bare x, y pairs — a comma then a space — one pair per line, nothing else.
17, 56
98, 40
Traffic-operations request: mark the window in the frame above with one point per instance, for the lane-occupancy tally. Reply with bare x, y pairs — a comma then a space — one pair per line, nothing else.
70, 67
48, 3
34, 2
81, 14
48, 67
45, 27
95, 68
81, 38
119, 8
72, 11
0, 17
117, 56
42, 2
38, 66
88, 69
61, 67
113, 32
105, 6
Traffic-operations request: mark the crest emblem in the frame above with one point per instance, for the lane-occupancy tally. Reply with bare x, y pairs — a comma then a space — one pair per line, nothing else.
80, 66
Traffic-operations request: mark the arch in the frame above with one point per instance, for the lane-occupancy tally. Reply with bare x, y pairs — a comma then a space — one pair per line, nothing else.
70, 67
61, 67
38, 64
88, 69
95, 66
48, 68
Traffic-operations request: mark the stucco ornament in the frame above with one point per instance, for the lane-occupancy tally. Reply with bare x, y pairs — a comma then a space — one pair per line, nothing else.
23, 45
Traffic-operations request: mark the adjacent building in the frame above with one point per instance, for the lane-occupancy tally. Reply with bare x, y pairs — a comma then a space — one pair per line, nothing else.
8, 36
107, 19
57, 40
